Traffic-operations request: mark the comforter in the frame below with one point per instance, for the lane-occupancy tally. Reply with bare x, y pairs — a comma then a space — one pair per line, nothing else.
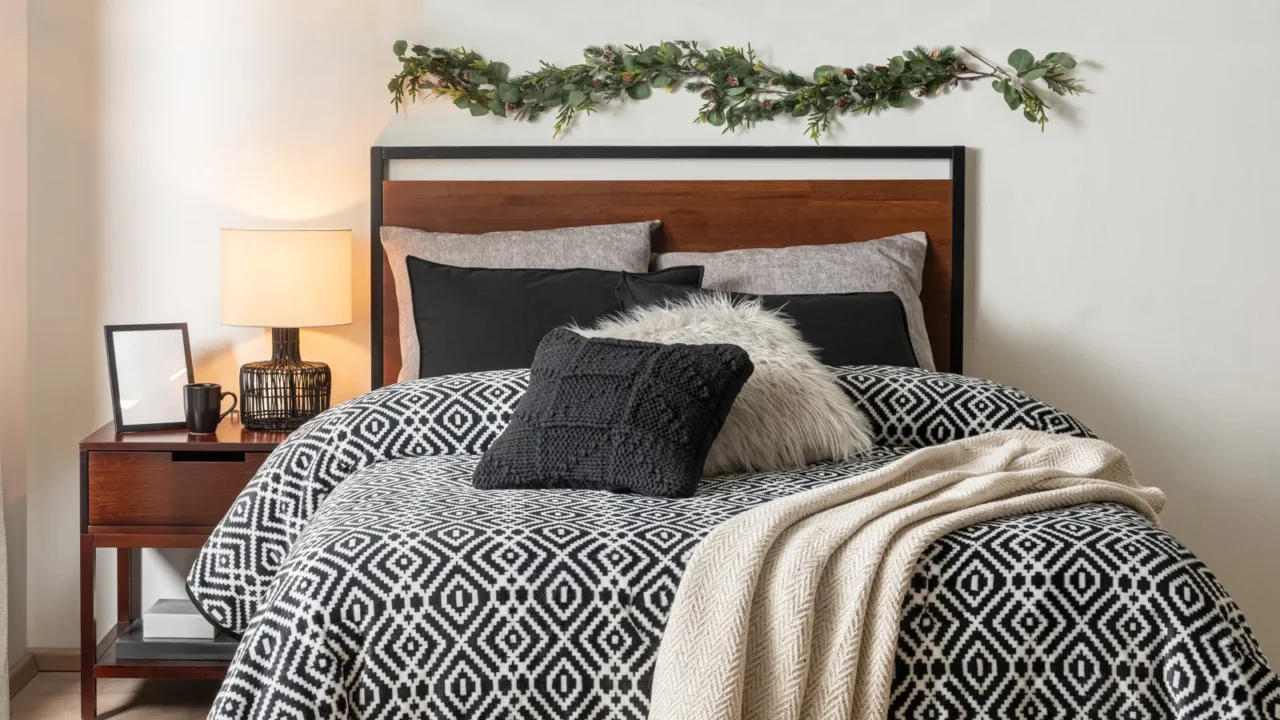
369, 579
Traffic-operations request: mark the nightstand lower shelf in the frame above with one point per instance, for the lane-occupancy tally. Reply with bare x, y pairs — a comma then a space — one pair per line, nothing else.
107, 665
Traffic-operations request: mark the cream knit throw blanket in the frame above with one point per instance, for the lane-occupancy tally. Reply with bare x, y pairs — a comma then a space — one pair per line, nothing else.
790, 610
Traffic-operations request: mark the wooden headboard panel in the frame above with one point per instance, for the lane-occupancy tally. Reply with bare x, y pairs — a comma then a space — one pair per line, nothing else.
697, 215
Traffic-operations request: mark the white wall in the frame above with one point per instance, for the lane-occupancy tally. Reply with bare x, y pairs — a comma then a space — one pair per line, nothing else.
1121, 263
13, 309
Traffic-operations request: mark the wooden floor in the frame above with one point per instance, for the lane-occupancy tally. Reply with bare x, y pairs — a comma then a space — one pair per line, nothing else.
57, 695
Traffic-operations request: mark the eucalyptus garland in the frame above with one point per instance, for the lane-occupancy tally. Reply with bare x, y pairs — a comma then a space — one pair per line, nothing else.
737, 88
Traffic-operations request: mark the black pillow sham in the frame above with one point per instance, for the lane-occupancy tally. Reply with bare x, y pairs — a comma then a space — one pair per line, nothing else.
472, 319
857, 328
609, 414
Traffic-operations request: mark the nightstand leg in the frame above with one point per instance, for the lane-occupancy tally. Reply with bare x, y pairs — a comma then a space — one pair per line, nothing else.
88, 632
124, 584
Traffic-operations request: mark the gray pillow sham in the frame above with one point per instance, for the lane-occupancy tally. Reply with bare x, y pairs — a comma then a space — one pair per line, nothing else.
893, 264
599, 247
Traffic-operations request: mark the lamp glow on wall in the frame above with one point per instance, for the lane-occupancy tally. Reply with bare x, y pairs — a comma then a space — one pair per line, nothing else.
285, 280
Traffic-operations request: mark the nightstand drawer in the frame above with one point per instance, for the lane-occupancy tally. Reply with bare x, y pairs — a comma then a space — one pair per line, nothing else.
161, 488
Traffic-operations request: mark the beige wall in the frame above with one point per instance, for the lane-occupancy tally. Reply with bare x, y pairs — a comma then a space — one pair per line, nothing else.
13, 307
1121, 263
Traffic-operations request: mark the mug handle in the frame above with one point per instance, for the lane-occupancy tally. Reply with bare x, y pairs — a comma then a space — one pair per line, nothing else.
234, 402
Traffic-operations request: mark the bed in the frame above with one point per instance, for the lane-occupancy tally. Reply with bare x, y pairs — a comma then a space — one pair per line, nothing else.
370, 579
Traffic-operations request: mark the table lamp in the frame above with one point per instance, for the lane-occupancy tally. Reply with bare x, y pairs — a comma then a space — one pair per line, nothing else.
285, 280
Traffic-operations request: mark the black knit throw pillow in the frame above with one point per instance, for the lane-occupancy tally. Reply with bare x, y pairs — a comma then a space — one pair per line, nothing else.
616, 415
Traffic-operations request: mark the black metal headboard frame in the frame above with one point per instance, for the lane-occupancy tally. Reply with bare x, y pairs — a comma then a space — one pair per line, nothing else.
380, 156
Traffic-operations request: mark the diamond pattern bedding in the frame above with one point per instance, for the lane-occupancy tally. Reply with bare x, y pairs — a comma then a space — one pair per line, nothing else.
371, 580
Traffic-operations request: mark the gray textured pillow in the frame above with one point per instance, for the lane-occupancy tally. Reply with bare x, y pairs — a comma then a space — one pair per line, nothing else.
600, 247
893, 264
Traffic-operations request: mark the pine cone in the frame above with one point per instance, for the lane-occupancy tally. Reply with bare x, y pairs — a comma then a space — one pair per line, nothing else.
773, 80
708, 94
607, 57
847, 72
882, 68
732, 81
842, 103
935, 54
510, 107
596, 82
627, 77
767, 104
922, 92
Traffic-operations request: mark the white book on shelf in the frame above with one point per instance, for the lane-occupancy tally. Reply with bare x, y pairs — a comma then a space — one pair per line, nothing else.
175, 618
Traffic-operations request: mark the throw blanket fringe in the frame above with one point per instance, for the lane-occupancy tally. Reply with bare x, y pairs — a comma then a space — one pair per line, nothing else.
790, 610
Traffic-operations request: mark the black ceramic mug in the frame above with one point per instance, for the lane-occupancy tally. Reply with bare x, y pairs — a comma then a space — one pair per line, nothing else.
203, 403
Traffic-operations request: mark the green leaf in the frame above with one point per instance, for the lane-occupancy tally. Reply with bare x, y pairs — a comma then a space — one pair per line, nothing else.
479, 78
499, 70
671, 50
716, 118
900, 99
1053, 57
478, 110
897, 65
463, 102
421, 50
550, 101
799, 111
660, 81
400, 47
1026, 113
495, 107
576, 99
999, 85
1067, 61
1012, 97
639, 92
508, 93
822, 71
1021, 60
735, 91
1035, 74
394, 84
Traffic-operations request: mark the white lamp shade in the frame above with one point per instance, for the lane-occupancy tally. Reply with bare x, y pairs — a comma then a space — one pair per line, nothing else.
286, 278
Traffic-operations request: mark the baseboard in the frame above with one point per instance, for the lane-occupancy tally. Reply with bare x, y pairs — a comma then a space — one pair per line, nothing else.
56, 659
21, 672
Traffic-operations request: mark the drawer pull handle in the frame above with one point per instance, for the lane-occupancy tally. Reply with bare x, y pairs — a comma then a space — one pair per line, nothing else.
207, 457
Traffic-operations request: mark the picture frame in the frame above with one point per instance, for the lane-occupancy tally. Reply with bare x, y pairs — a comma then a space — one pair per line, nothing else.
148, 365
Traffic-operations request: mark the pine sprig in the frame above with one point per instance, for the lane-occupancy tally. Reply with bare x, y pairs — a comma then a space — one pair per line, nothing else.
737, 89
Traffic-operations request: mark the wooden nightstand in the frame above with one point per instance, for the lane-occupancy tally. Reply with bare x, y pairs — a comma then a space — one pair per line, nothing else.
153, 490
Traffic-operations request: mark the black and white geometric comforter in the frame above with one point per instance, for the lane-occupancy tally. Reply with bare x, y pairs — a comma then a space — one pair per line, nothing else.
370, 580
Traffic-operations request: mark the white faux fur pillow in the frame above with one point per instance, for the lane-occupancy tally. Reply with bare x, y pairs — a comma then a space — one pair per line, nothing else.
790, 413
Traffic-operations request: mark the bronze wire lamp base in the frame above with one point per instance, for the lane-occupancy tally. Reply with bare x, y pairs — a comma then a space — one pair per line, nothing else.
285, 391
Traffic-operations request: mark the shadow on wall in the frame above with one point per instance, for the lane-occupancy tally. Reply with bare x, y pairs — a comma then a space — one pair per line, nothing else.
66, 391
1233, 531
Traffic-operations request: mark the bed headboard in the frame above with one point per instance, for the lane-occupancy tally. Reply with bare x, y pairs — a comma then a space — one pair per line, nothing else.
697, 215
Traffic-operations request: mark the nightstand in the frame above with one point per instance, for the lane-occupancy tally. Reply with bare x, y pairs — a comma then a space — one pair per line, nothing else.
153, 490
